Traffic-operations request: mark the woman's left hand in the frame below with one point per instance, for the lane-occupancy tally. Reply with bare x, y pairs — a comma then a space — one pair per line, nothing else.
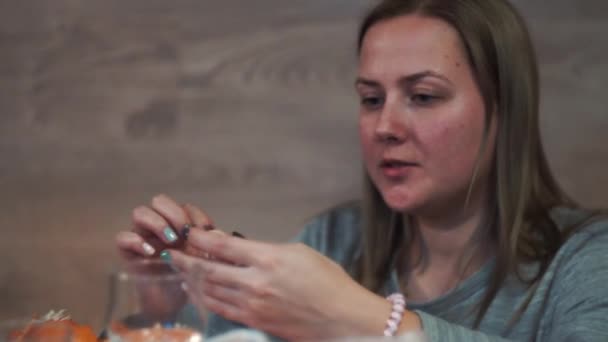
288, 290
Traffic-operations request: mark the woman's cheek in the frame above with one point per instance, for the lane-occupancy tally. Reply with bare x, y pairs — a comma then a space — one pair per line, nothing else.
455, 150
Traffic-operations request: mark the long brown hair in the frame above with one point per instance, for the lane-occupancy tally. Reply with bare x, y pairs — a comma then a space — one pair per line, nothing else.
523, 189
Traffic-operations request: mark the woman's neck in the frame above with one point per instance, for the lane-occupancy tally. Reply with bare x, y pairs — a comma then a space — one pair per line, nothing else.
450, 248
446, 241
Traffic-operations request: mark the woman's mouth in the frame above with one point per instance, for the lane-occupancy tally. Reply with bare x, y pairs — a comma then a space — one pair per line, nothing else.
395, 168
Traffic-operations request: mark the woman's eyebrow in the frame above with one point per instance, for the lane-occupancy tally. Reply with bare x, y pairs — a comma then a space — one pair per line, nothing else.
361, 81
416, 77
404, 80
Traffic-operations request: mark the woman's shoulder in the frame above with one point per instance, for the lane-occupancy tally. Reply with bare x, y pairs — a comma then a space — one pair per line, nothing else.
578, 274
335, 232
586, 241
579, 223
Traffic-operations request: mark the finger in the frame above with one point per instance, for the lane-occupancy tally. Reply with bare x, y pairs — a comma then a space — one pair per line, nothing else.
131, 245
232, 249
198, 269
147, 220
223, 309
151, 239
185, 263
192, 250
171, 211
218, 232
214, 231
225, 294
198, 217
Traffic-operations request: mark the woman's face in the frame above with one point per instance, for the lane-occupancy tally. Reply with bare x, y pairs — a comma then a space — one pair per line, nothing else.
422, 115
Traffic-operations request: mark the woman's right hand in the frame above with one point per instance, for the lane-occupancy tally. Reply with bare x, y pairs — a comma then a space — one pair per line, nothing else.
159, 226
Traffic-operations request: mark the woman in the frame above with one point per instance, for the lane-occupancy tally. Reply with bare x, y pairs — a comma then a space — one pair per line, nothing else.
460, 212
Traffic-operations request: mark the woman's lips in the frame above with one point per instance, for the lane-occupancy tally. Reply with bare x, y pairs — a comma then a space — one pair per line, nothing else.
394, 168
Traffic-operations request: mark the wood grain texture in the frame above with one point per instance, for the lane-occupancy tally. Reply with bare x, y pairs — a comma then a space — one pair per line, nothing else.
244, 107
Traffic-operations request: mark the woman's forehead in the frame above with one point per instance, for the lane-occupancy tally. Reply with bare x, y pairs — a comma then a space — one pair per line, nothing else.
411, 44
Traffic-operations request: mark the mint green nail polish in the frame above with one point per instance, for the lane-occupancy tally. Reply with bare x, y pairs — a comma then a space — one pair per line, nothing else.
165, 256
170, 234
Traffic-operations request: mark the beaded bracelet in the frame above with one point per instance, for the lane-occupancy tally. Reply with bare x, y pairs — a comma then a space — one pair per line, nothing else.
393, 321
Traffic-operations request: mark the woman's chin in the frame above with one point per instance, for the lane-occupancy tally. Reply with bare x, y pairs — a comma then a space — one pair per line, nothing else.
399, 201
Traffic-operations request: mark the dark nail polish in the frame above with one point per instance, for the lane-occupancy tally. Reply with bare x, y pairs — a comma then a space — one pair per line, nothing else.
239, 235
208, 227
185, 231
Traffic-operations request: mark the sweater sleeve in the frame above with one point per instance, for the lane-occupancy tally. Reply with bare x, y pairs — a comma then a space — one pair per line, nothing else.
436, 329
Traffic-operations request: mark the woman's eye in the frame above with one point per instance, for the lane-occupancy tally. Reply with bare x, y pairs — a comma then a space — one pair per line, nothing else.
371, 101
423, 99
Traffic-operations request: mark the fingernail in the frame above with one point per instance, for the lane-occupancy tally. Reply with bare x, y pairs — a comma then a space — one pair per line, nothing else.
170, 234
239, 235
166, 256
186, 231
148, 248
208, 227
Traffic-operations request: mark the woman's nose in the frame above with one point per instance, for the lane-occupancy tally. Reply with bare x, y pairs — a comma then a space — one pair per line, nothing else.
391, 127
